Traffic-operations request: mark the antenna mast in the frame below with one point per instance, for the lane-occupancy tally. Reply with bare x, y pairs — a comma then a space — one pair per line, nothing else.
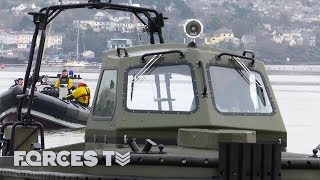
78, 43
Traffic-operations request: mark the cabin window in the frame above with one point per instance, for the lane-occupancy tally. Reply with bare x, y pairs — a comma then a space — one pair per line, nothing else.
235, 91
106, 99
161, 88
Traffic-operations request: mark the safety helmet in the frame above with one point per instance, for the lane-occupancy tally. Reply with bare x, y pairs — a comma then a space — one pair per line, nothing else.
70, 73
81, 82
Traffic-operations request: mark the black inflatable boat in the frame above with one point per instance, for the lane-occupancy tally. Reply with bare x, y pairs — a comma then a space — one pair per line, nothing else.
52, 112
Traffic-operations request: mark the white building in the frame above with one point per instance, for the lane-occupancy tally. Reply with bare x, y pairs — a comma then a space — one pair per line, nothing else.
22, 46
248, 41
54, 41
293, 38
119, 43
24, 38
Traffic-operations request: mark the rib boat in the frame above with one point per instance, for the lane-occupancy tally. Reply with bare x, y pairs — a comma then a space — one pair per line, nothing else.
48, 106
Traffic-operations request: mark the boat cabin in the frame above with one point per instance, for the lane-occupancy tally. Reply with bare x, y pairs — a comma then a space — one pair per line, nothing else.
153, 91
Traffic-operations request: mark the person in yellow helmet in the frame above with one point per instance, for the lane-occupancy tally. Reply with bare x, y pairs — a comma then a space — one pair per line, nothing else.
64, 79
81, 95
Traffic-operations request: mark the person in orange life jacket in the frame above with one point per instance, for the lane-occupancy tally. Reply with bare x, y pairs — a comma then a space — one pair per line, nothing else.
81, 95
64, 79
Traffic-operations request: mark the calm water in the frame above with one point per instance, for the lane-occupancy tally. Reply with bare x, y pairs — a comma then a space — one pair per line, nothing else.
299, 105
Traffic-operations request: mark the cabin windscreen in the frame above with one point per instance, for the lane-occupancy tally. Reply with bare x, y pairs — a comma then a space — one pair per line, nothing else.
161, 88
106, 99
236, 91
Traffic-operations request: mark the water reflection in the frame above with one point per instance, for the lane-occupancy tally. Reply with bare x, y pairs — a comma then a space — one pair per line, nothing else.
54, 138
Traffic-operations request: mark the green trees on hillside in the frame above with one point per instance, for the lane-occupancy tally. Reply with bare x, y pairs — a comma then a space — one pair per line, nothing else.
25, 23
160, 5
214, 23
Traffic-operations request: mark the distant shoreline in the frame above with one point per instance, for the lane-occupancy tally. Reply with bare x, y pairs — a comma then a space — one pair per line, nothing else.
271, 69
47, 68
293, 69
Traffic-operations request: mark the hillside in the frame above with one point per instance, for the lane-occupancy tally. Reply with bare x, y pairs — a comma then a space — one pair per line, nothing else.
278, 29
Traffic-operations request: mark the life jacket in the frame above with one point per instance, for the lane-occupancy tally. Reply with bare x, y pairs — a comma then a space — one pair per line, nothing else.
64, 80
83, 98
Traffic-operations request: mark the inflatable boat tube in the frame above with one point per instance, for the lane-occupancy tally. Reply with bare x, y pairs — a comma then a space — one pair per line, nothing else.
47, 109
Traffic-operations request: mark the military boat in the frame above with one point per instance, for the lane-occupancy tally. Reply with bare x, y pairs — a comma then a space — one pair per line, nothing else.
163, 111
66, 114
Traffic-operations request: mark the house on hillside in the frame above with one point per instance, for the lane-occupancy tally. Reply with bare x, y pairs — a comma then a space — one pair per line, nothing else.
99, 15
124, 25
309, 38
277, 38
293, 38
84, 24
105, 21
170, 8
23, 47
22, 39
23, 8
218, 36
19, 8
248, 41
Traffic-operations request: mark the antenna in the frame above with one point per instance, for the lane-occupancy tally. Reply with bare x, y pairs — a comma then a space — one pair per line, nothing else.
78, 43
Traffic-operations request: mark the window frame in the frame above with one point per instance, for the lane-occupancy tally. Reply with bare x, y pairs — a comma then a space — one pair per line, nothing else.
194, 84
102, 118
272, 113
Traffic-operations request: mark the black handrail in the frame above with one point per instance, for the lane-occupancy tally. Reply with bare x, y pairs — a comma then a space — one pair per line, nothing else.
218, 57
246, 51
26, 138
13, 132
155, 23
26, 81
143, 60
42, 18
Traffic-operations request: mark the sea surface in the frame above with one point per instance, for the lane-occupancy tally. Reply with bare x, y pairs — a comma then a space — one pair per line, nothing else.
298, 97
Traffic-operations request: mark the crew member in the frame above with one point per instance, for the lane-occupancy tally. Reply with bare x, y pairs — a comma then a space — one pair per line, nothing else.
81, 95
64, 79
17, 82
20, 82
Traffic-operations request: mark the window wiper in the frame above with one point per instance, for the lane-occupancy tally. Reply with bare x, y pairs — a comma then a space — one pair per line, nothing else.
259, 86
146, 67
132, 87
145, 70
247, 70
261, 95
243, 76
